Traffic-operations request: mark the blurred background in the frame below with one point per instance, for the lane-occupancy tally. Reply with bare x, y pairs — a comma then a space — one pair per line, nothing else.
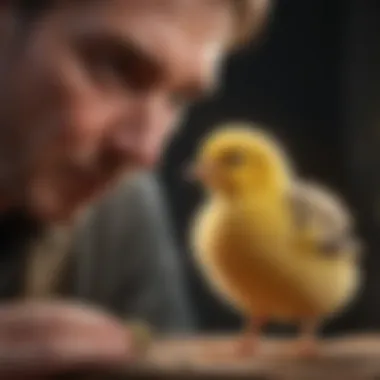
313, 80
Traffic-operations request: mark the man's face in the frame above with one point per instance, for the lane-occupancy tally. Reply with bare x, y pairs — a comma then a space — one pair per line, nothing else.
95, 90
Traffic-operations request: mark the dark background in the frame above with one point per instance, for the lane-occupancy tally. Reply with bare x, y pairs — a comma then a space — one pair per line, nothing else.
312, 80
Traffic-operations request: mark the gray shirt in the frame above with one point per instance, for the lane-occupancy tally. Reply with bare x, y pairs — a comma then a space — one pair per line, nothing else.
123, 258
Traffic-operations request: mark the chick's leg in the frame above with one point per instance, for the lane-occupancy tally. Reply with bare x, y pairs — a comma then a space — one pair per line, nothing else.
250, 339
307, 344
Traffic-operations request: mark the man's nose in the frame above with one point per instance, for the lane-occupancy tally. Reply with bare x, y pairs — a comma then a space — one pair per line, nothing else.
143, 132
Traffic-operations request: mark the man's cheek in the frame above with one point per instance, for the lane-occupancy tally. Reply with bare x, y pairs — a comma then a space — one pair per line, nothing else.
155, 144
153, 149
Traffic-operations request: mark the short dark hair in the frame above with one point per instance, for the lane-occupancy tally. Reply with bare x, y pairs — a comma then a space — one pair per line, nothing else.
28, 9
28, 5
249, 15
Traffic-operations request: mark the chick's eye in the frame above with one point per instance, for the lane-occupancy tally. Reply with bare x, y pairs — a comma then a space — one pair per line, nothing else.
332, 247
233, 159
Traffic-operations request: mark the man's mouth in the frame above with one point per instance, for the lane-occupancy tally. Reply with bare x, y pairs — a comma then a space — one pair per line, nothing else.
82, 181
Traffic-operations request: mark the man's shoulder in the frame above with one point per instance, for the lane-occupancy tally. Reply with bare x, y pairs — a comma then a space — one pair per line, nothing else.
143, 188
128, 196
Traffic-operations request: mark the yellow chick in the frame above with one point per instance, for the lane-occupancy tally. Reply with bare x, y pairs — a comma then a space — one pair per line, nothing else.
275, 247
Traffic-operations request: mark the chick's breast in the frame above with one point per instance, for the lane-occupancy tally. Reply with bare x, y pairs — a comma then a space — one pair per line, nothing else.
248, 261
242, 259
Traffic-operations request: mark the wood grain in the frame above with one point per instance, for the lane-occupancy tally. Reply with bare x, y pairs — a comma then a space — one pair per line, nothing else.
347, 358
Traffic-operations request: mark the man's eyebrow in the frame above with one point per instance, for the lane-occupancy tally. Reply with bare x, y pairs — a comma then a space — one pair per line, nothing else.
153, 66
124, 46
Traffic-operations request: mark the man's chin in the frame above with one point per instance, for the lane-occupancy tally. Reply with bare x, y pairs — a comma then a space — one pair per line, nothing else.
59, 214
50, 206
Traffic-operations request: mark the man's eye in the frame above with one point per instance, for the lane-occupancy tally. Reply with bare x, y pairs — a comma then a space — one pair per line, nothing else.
110, 69
115, 66
106, 69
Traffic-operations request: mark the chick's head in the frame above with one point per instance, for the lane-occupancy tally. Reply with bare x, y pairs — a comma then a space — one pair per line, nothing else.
239, 159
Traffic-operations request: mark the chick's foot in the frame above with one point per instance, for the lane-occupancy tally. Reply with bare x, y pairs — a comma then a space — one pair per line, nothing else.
249, 343
247, 347
307, 346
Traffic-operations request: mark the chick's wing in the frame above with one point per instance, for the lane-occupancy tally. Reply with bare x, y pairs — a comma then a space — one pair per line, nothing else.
321, 218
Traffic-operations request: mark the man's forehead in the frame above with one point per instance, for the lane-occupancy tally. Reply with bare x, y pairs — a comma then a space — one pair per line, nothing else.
176, 33
125, 15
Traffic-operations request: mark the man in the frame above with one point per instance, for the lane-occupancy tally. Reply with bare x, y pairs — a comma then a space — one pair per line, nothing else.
90, 90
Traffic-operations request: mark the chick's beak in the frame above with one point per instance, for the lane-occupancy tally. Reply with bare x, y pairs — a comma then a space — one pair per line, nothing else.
197, 172
191, 173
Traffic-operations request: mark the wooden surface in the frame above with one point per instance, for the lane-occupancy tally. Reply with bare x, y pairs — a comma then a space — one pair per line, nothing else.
350, 358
